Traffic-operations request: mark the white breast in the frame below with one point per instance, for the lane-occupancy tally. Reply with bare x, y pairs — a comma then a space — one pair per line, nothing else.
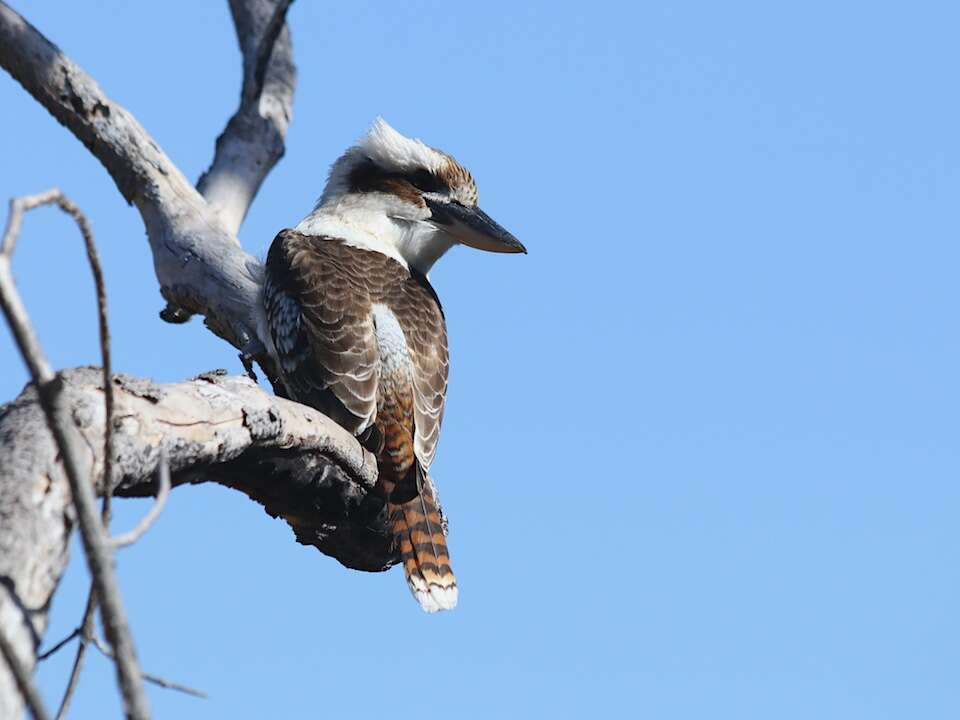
394, 351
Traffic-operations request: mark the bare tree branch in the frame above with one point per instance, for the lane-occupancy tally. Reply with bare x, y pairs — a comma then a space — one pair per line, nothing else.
149, 677
22, 676
85, 631
92, 533
18, 206
253, 140
59, 646
198, 261
163, 492
295, 461
292, 459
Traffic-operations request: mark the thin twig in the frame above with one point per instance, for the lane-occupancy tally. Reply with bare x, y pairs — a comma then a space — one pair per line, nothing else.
56, 648
163, 480
22, 675
19, 206
155, 679
84, 631
95, 543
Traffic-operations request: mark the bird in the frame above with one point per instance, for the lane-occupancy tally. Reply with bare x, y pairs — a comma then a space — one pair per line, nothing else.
357, 330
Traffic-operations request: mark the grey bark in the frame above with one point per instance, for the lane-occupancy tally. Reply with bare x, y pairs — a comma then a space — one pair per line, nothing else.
199, 263
96, 545
296, 462
252, 142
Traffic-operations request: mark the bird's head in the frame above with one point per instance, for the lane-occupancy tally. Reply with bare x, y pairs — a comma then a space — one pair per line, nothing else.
408, 197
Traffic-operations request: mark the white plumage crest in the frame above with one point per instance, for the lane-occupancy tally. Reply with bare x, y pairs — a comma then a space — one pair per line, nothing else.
391, 150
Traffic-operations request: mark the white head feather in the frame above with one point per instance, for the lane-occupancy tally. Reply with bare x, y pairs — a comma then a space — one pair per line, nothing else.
380, 221
389, 150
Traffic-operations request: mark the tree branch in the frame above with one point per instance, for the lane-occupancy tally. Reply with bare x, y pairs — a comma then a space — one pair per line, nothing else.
95, 543
85, 631
149, 677
163, 492
292, 459
253, 140
22, 676
296, 462
198, 261
32, 353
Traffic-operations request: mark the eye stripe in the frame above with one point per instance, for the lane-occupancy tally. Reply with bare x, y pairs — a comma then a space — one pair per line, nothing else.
368, 177
426, 181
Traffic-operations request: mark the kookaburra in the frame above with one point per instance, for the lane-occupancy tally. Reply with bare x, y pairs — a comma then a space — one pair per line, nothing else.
358, 332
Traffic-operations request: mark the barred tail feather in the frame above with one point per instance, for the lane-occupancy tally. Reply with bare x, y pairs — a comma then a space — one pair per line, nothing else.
423, 550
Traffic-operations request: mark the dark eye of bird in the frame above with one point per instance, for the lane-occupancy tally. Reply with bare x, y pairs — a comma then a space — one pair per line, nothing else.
425, 181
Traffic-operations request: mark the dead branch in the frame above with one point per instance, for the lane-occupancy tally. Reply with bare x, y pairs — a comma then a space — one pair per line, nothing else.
222, 282
252, 142
219, 428
296, 462
149, 677
293, 460
199, 263
18, 206
23, 679
59, 646
84, 632
95, 543
163, 492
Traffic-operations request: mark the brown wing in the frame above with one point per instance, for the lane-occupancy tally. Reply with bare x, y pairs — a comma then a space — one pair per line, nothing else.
419, 313
318, 309
318, 296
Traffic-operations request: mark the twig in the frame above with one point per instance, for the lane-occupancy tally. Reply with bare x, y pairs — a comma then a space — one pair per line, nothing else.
95, 543
19, 206
155, 679
163, 480
22, 675
84, 631
86, 625
56, 648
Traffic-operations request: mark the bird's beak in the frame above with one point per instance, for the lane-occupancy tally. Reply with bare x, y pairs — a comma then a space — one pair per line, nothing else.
472, 226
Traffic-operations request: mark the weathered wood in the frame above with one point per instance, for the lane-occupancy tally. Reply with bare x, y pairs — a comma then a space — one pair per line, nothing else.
293, 460
216, 428
252, 142
199, 263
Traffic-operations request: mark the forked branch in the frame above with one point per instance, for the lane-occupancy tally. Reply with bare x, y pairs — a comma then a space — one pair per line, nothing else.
200, 265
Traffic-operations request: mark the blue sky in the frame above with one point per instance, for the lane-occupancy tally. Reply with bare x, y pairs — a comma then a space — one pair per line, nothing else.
700, 452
